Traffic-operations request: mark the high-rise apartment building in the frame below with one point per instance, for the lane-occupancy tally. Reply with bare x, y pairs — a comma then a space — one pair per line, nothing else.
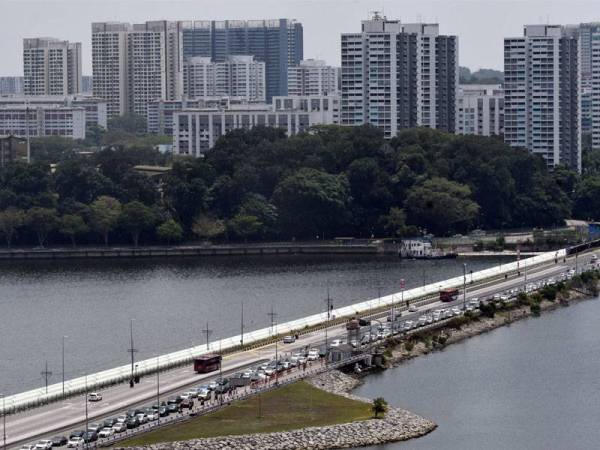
480, 109
136, 64
237, 76
397, 76
542, 84
312, 77
11, 85
51, 66
87, 84
277, 43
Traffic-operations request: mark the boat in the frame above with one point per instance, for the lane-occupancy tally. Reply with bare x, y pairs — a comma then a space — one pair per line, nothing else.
422, 249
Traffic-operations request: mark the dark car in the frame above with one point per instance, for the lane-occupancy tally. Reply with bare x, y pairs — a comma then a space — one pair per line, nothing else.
163, 411
78, 433
108, 423
132, 422
90, 436
173, 408
59, 441
131, 413
176, 400
187, 403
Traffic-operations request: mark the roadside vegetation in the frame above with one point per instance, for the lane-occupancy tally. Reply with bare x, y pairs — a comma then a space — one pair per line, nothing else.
291, 407
255, 184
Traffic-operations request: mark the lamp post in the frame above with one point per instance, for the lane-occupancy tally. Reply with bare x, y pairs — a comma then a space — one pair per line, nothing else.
86, 413
464, 286
158, 387
3, 422
131, 350
63, 364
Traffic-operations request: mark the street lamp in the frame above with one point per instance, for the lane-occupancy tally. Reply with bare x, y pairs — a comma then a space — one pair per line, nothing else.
131, 350
86, 412
464, 286
3, 421
63, 364
158, 387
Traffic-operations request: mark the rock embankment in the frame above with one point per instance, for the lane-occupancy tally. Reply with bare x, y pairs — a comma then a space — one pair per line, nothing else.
397, 425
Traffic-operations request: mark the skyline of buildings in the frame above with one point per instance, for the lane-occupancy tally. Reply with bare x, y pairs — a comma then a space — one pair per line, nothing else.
313, 77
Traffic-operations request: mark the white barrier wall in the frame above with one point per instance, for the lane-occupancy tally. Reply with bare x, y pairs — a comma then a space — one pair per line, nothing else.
123, 373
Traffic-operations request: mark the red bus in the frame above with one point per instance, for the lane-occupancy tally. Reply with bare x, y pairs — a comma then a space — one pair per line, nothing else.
448, 295
207, 363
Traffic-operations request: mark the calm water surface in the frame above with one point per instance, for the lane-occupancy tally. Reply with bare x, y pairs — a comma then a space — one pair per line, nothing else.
533, 385
172, 300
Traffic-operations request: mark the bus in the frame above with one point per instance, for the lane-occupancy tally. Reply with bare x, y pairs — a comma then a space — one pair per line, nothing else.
448, 294
207, 363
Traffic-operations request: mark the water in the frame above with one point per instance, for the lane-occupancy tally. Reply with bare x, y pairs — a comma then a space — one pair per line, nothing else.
533, 385
172, 300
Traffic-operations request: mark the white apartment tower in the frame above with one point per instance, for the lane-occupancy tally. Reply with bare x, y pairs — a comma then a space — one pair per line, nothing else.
397, 76
542, 110
238, 76
136, 64
312, 77
480, 110
51, 66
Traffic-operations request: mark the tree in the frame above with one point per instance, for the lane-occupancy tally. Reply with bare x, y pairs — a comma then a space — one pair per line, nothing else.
208, 227
136, 218
10, 221
395, 223
105, 214
586, 203
441, 206
311, 202
379, 406
169, 231
128, 123
42, 221
244, 226
72, 225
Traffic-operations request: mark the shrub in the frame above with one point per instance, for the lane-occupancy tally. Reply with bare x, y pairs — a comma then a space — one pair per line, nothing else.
488, 309
535, 309
379, 406
408, 346
523, 298
458, 322
442, 340
549, 293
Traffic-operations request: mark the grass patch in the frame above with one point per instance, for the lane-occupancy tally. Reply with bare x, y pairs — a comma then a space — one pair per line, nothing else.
298, 405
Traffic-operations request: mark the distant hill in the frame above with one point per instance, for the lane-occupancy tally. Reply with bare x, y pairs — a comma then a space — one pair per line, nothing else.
481, 76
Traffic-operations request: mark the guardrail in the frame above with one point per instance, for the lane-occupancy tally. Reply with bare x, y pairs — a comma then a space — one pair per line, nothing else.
120, 374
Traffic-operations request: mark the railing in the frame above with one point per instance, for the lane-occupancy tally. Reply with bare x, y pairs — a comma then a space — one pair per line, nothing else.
120, 374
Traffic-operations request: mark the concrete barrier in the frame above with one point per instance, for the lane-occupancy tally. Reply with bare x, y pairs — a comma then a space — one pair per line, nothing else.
108, 377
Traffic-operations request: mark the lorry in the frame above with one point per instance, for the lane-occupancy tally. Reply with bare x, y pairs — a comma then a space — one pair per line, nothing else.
448, 294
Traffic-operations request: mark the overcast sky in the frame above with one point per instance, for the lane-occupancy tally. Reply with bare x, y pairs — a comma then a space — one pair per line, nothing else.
480, 24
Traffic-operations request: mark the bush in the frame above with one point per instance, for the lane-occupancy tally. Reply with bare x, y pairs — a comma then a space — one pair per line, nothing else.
535, 309
408, 346
442, 340
488, 309
549, 293
523, 298
458, 322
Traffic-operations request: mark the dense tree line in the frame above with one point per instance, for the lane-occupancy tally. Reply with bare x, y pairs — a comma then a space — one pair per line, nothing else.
260, 185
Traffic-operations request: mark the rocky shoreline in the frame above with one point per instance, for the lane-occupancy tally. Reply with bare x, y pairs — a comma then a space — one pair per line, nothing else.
397, 425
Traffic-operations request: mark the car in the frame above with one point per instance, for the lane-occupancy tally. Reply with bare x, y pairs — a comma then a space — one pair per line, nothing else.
77, 433
109, 422
289, 339
28, 447
94, 397
456, 311
163, 411
59, 441
203, 393
44, 444
95, 427
90, 436
187, 403
173, 408
151, 414
422, 321
121, 419
120, 427
185, 396
75, 441
437, 315
142, 418
132, 422
413, 308
106, 432
313, 354
408, 325
335, 343
213, 385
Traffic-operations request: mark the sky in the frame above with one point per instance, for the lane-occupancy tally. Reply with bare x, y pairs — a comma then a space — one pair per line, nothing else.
480, 24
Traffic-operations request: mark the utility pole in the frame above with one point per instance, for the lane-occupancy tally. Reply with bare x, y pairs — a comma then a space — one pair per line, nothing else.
158, 387
63, 364
207, 332
3, 422
27, 134
86, 411
131, 350
464, 286
242, 326
329, 302
46, 374
272, 315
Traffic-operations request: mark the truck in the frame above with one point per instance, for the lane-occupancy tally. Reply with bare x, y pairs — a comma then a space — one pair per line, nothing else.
207, 363
448, 294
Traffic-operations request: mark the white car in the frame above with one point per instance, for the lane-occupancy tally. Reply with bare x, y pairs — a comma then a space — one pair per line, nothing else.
437, 315
94, 397
422, 321
44, 444
204, 393
313, 354
192, 393
289, 339
336, 343
122, 419
413, 308
75, 441
119, 427
408, 325
142, 418
106, 432
28, 447
456, 311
